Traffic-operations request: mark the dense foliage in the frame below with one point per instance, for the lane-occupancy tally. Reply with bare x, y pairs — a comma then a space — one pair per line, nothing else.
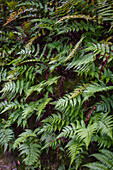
56, 82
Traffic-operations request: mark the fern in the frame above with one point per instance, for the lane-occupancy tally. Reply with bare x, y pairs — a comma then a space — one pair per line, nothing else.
103, 141
28, 147
22, 137
93, 88
6, 137
31, 151
56, 78
105, 124
68, 131
105, 160
86, 134
55, 120
74, 148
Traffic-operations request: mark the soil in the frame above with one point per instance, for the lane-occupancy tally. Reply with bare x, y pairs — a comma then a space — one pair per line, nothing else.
7, 162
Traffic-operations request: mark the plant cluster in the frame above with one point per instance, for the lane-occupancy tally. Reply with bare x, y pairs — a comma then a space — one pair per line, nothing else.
56, 82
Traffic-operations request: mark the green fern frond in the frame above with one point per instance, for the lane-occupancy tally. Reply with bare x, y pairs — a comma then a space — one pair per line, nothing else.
31, 151
12, 105
22, 137
6, 137
84, 61
3, 104
11, 88
103, 141
65, 101
74, 147
107, 153
39, 87
86, 134
105, 124
50, 140
104, 158
68, 131
105, 11
28, 109
43, 104
3, 74
94, 88
56, 120
96, 166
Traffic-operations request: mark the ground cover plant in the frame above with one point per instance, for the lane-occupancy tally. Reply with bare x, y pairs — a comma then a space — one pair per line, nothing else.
56, 83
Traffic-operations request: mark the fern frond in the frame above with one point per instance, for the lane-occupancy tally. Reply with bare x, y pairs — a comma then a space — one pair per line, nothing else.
86, 134
11, 88
94, 88
22, 137
39, 87
75, 49
104, 160
107, 153
28, 109
14, 15
75, 16
96, 166
3, 104
43, 104
12, 105
31, 151
56, 121
68, 131
3, 74
105, 11
74, 147
6, 137
79, 90
105, 124
103, 141
50, 140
